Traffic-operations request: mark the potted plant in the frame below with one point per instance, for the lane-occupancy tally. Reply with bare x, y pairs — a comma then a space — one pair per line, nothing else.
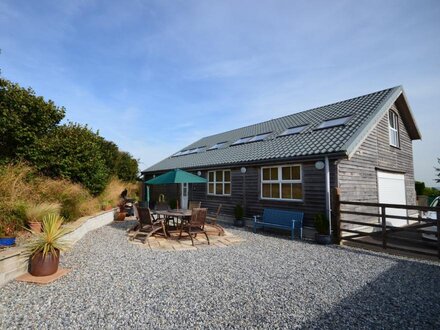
43, 249
121, 214
239, 213
322, 227
36, 212
106, 206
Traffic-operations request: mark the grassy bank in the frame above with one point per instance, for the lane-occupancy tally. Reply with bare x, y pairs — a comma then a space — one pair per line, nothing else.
21, 187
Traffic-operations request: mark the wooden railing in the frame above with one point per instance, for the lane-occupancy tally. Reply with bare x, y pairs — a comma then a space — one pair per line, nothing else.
383, 232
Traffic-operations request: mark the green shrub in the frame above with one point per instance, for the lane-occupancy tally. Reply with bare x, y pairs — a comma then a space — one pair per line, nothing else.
420, 187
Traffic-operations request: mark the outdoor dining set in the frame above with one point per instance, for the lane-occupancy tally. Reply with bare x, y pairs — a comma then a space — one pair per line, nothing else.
174, 223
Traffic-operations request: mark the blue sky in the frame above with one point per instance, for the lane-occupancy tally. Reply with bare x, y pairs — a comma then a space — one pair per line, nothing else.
153, 76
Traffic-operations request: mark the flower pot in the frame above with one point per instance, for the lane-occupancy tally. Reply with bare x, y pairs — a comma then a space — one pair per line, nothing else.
7, 241
239, 223
35, 226
44, 266
121, 216
323, 239
108, 208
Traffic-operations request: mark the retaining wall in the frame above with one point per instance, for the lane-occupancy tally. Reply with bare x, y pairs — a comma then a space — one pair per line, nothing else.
12, 263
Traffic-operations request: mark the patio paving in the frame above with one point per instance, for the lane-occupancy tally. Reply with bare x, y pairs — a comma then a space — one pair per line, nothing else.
264, 282
173, 243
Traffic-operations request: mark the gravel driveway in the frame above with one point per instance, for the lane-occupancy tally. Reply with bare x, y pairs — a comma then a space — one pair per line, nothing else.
265, 282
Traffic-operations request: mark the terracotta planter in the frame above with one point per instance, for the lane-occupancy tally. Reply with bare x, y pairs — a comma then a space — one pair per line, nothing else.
35, 226
108, 208
44, 266
121, 216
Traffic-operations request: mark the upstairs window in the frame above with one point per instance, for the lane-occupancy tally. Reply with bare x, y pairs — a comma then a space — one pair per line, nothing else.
217, 146
259, 137
242, 140
334, 122
219, 182
293, 130
393, 123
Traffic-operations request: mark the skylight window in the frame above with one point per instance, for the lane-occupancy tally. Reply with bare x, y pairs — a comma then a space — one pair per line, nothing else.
293, 130
217, 146
334, 122
192, 151
242, 140
259, 137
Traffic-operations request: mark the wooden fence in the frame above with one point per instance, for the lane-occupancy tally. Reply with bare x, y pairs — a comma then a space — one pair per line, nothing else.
406, 238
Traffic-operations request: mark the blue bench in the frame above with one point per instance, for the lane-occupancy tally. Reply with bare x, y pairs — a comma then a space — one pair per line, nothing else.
280, 219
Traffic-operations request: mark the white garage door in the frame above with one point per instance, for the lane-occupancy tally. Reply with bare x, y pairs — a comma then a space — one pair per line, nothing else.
391, 187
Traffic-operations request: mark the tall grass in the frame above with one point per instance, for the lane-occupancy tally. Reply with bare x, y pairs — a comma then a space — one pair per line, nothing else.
21, 189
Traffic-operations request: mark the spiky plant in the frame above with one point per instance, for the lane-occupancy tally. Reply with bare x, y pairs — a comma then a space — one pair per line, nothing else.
50, 240
37, 212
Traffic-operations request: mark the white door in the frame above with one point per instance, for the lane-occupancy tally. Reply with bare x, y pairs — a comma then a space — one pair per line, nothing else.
391, 188
184, 195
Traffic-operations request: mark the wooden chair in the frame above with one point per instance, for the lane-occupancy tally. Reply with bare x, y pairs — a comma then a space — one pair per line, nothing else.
195, 225
136, 214
212, 220
194, 205
147, 225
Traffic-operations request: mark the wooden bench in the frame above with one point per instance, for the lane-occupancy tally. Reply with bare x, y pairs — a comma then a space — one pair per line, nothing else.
280, 219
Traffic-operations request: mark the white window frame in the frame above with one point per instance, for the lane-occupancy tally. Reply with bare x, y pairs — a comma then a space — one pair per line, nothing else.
280, 181
223, 183
394, 131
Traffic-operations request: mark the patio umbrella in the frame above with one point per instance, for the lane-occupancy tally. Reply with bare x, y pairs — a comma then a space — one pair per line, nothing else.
174, 176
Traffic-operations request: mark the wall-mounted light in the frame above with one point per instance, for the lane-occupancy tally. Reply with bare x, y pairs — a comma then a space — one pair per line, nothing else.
154, 175
199, 173
243, 170
319, 165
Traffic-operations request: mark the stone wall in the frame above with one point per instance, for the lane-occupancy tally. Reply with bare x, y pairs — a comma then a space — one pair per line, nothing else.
13, 265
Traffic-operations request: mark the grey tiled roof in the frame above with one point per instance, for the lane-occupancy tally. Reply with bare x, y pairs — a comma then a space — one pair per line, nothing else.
311, 141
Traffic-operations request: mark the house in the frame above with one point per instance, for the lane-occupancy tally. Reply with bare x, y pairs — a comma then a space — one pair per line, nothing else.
362, 145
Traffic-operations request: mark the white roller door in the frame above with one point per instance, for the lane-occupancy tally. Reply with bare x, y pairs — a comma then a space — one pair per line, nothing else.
391, 189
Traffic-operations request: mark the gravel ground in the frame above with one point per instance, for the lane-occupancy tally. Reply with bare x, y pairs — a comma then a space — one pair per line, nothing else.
265, 282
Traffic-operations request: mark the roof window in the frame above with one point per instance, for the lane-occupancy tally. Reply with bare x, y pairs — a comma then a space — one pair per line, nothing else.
242, 140
293, 130
334, 122
218, 145
259, 137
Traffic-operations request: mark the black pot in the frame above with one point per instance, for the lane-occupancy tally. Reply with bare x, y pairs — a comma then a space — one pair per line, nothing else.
323, 239
44, 266
239, 222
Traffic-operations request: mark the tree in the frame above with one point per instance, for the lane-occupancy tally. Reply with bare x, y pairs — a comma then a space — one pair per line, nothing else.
127, 167
24, 118
74, 152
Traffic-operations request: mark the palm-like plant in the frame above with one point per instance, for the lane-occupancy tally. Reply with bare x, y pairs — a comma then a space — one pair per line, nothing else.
50, 240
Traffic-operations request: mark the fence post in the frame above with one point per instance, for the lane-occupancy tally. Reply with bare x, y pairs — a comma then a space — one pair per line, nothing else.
384, 227
337, 215
438, 231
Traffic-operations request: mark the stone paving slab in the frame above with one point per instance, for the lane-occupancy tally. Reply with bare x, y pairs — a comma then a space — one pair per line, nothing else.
173, 243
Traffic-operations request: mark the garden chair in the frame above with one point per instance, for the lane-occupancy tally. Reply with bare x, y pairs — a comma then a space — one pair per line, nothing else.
212, 220
147, 225
194, 205
195, 225
136, 214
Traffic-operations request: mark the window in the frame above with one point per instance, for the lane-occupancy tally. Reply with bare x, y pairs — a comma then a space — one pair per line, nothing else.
217, 146
293, 130
242, 140
259, 137
282, 182
393, 128
334, 122
219, 182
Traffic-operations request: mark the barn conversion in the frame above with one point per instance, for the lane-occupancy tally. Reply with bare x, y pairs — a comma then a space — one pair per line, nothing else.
362, 145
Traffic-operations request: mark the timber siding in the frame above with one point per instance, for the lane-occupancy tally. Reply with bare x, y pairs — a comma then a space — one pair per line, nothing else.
357, 176
246, 190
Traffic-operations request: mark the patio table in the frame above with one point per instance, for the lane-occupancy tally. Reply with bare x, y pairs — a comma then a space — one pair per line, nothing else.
180, 214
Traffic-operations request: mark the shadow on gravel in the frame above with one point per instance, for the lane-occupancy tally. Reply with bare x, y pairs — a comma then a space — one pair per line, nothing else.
407, 295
